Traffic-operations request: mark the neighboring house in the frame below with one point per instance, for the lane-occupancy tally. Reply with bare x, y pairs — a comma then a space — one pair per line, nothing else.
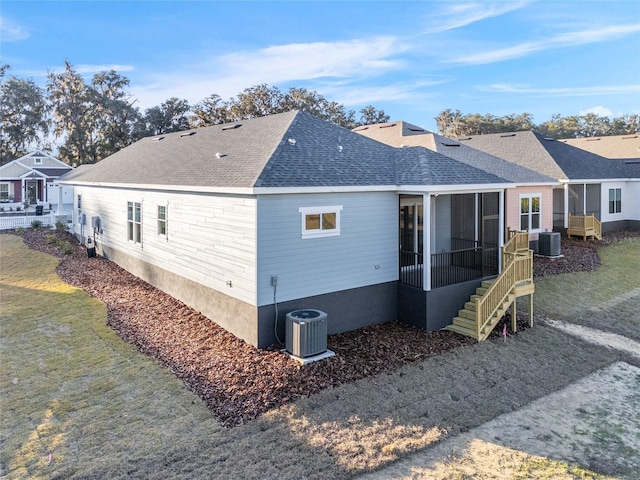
527, 206
248, 221
33, 179
590, 184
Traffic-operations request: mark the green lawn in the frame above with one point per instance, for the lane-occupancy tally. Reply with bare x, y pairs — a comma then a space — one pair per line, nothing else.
607, 299
69, 385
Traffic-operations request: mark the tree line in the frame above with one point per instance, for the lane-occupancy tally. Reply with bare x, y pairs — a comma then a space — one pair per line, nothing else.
455, 124
96, 118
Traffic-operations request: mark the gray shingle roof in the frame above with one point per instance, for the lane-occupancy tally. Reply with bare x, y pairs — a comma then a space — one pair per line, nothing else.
490, 163
521, 148
292, 149
421, 166
550, 157
404, 134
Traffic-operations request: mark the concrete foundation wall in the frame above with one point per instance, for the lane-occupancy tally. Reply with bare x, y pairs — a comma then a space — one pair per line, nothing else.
346, 310
231, 314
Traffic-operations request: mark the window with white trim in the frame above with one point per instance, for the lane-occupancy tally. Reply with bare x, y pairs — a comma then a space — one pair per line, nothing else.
320, 221
4, 192
134, 222
37, 161
162, 220
530, 215
615, 200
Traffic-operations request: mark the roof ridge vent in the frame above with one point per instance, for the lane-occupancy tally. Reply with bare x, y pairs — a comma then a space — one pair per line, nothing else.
450, 144
505, 135
593, 140
157, 139
463, 139
628, 138
188, 134
232, 127
388, 125
549, 139
416, 129
359, 129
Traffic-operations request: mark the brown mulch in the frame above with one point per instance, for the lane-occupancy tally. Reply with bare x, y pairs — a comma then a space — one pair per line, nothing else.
577, 255
237, 381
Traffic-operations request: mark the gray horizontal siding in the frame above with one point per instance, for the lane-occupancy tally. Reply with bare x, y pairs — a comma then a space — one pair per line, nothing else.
316, 266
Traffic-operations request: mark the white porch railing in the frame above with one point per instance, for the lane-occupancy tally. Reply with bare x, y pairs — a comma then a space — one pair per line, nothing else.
24, 221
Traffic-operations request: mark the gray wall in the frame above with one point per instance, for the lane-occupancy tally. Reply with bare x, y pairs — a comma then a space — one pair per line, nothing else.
346, 310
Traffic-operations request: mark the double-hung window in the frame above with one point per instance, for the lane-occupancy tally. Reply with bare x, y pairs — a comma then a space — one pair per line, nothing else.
615, 200
530, 212
320, 221
134, 222
4, 191
162, 220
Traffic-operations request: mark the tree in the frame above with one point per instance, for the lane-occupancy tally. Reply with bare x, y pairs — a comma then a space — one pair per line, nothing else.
116, 118
74, 115
210, 111
449, 123
369, 115
24, 120
257, 101
170, 116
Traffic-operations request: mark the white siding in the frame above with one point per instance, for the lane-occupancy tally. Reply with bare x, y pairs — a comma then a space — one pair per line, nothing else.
210, 239
365, 252
630, 201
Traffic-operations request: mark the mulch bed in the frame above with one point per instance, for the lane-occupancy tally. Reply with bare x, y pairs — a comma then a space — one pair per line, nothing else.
237, 381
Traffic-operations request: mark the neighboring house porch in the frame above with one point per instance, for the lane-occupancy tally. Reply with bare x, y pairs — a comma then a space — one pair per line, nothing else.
31, 180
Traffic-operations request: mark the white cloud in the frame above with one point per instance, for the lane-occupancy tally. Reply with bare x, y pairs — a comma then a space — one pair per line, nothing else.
599, 110
305, 61
91, 69
229, 74
570, 39
455, 15
566, 92
10, 32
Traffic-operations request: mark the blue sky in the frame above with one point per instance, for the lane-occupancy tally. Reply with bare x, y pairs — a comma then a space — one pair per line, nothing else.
411, 59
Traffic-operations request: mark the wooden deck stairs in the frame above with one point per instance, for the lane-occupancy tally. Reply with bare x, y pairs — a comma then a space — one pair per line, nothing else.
493, 298
584, 226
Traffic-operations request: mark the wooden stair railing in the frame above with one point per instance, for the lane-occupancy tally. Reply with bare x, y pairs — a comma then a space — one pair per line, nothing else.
493, 298
584, 226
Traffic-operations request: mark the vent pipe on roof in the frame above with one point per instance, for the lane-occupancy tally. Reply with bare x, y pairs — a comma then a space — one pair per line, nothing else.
292, 141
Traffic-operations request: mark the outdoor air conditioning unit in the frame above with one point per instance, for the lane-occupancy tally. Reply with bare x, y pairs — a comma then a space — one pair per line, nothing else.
306, 333
549, 244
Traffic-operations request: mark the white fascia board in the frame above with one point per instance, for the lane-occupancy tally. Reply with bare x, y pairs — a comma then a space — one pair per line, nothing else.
32, 172
324, 189
471, 188
596, 180
169, 188
538, 184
